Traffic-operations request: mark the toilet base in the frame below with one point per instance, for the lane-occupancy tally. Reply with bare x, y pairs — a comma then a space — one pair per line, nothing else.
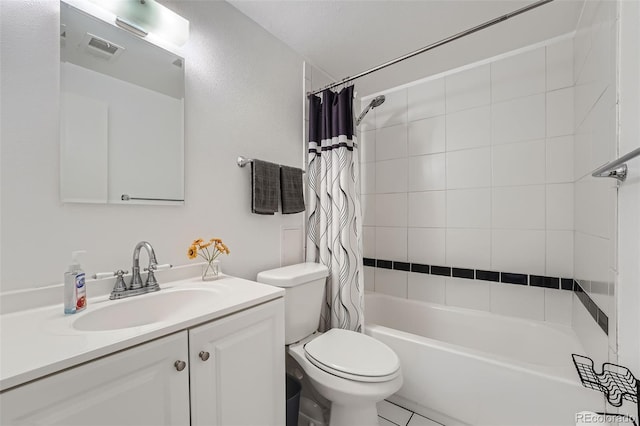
350, 415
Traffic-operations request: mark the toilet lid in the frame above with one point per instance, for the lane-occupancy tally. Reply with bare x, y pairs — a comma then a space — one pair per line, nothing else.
353, 355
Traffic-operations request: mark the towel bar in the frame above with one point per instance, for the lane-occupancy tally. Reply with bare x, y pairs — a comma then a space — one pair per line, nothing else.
243, 161
617, 168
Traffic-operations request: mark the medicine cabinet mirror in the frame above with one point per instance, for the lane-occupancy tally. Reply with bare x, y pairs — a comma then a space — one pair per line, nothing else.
122, 115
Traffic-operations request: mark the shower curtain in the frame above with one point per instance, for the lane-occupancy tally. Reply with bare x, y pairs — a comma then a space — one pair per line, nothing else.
334, 228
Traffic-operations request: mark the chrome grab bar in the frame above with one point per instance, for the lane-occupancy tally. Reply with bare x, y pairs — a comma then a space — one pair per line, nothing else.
617, 168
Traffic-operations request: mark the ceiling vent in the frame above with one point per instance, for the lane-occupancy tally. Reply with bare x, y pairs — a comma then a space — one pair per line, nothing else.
100, 47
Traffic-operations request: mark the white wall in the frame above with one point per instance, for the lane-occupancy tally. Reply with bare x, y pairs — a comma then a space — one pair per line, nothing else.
242, 98
473, 169
595, 98
628, 295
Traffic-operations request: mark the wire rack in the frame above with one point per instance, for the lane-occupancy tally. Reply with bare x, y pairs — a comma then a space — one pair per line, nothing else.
615, 381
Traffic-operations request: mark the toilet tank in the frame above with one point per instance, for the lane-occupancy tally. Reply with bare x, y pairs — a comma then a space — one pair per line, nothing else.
304, 291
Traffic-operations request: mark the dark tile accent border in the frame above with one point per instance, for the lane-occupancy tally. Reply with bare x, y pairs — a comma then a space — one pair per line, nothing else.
511, 278
596, 313
401, 266
462, 273
420, 268
566, 284
546, 282
487, 275
569, 284
369, 262
444, 271
385, 264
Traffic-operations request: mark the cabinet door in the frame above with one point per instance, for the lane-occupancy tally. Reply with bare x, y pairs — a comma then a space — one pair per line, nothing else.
242, 382
138, 386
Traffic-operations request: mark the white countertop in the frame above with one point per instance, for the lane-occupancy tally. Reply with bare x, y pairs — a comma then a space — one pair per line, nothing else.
42, 341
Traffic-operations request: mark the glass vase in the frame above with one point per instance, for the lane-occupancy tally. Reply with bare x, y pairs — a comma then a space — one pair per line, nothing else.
211, 270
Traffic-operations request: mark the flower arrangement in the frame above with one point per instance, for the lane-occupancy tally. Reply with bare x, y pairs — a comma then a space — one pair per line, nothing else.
199, 248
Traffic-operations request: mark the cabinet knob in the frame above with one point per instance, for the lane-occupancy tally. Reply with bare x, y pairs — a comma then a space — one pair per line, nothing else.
204, 355
180, 365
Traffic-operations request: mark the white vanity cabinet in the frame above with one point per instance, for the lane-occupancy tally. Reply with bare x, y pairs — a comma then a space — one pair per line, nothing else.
138, 386
237, 369
239, 382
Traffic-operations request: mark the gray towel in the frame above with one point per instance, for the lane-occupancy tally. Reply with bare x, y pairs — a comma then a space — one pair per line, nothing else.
265, 182
291, 190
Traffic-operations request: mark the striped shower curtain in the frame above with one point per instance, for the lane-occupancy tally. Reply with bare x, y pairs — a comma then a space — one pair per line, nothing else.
334, 229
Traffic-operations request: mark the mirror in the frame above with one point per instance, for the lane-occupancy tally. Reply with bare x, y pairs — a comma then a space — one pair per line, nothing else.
122, 115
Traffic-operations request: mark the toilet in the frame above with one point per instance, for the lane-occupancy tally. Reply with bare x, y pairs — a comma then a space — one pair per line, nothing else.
352, 370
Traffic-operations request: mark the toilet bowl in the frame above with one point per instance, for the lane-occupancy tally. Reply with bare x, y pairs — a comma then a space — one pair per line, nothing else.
352, 387
352, 370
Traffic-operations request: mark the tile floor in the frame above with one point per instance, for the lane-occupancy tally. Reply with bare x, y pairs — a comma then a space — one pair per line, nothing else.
393, 415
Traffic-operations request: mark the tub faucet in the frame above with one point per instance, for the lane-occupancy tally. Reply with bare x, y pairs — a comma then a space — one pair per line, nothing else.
136, 279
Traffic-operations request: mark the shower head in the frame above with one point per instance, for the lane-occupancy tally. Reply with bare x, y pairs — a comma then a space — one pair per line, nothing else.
376, 102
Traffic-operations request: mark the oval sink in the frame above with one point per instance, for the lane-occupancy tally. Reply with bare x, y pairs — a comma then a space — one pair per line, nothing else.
146, 309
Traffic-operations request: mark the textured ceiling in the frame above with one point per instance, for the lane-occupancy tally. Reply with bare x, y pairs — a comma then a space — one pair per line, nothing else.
344, 38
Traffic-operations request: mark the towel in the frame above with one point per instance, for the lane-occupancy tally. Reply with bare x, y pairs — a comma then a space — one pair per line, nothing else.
265, 182
291, 190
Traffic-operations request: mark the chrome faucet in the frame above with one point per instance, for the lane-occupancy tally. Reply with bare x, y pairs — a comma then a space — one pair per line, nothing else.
136, 279
120, 289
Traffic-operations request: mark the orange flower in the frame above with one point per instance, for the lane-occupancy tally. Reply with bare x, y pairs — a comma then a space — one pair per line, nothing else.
204, 245
192, 252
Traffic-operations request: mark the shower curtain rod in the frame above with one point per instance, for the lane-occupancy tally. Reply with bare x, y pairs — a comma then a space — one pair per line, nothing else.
436, 44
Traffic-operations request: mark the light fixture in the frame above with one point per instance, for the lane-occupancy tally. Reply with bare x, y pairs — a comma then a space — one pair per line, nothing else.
144, 18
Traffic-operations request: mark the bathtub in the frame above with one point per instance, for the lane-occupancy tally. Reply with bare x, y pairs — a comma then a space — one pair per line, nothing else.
463, 366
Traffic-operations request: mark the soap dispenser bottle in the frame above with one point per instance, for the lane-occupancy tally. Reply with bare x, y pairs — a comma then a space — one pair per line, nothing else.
75, 292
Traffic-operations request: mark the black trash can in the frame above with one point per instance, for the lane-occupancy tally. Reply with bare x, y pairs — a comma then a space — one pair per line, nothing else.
293, 400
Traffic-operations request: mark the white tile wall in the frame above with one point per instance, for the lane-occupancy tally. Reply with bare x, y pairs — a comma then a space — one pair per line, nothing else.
427, 244
559, 254
475, 170
560, 112
560, 65
391, 209
469, 208
559, 159
427, 136
391, 282
520, 251
368, 203
592, 103
426, 100
427, 172
369, 241
520, 163
391, 176
391, 243
470, 128
469, 247
519, 119
519, 207
557, 306
393, 110
367, 146
468, 89
519, 75
427, 209
391, 142
470, 168
427, 288
518, 301
468, 293
560, 206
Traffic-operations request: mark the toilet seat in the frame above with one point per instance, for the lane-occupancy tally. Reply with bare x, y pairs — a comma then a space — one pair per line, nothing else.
352, 355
